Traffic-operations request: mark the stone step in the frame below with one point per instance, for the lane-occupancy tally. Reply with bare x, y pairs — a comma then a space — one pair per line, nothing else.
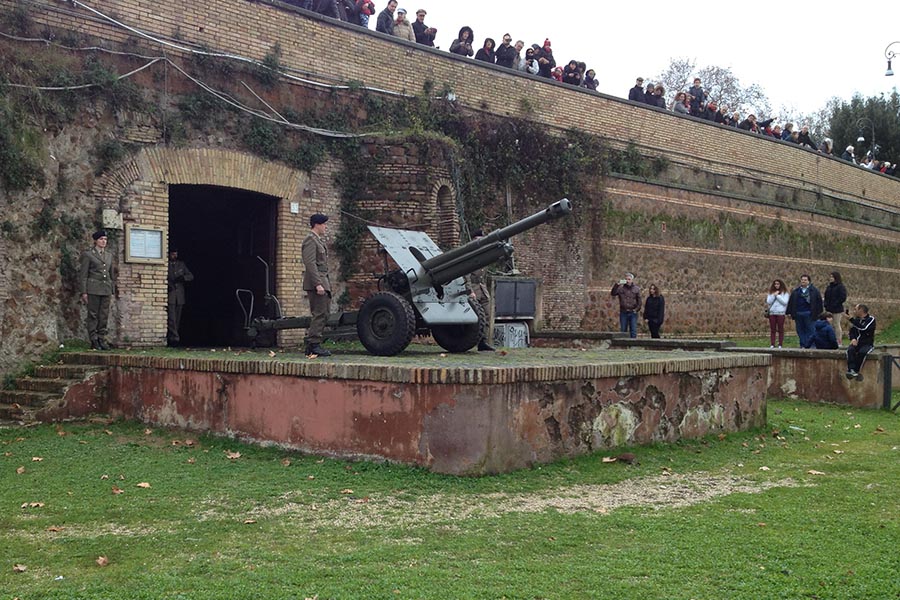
88, 357
44, 384
12, 414
26, 397
63, 371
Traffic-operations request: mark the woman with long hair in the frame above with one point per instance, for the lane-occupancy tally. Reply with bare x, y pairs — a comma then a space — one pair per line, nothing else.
835, 296
776, 305
654, 310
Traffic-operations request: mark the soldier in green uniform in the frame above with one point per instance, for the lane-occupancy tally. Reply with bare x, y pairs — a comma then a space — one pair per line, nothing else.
178, 275
316, 283
478, 285
96, 284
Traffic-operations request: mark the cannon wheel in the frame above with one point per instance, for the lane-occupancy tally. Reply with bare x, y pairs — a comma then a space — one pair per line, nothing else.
386, 324
464, 337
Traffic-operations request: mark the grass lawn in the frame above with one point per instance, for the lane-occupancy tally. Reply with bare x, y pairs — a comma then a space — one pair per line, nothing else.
806, 508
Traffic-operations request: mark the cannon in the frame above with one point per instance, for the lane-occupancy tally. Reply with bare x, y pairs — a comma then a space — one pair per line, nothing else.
425, 294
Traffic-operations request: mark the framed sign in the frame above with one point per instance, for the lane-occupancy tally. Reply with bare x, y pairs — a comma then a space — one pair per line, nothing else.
144, 244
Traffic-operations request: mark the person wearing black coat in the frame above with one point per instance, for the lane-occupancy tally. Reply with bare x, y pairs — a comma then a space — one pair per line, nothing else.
649, 96
654, 310
835, 296
804, 306
506, 54
636, 94
385, 23
571, 74
486, 53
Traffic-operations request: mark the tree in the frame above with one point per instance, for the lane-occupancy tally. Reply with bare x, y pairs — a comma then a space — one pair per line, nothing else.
720, 83
857, 119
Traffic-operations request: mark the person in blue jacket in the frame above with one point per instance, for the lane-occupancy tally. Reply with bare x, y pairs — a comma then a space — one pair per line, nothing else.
805, 301
824, 337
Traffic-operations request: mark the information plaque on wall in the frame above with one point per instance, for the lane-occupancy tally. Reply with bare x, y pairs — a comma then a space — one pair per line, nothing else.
144, 244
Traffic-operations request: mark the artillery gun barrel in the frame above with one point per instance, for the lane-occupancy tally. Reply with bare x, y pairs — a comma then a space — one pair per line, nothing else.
465, 264
554, 211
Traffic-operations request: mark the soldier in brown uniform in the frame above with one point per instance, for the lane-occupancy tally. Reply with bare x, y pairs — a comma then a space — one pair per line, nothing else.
178, 275
316, 283
478, 284
96, 284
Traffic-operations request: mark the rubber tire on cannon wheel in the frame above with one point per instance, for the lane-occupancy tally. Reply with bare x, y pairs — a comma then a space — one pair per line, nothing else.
386, 324
463, 337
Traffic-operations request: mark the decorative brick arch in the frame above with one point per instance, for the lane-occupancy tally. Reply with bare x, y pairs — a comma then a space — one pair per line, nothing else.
446, 226
138, 192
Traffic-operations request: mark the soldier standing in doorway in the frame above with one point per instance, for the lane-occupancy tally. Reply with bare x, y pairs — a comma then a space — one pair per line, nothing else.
316, 283
96, 284
479, 292
178, 275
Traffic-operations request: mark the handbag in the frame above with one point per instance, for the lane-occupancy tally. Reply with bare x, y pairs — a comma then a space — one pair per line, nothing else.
766, 313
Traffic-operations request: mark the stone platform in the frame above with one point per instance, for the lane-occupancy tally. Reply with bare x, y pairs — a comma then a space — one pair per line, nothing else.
472, 413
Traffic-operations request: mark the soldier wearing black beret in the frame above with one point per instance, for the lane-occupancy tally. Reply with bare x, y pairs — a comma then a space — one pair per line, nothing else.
316, 283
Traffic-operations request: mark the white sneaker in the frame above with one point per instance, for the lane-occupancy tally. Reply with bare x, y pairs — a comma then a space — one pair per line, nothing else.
771, 347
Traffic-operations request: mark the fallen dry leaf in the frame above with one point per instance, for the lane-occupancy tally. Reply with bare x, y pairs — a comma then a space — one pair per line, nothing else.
55, 528
609, 459
760, 524
838, 451
443, 355
271, 354
814, 472
189, 442
102, 561
347, 491
191, 460
103, 477
285, 462
107, 432
249, 521
312, 356
502, 352
143, 484
148, 432
232, 455
19, 568
117, 490
764, 469
20, 470
310, 476
722, 436
121, 477
32, 505
37, 458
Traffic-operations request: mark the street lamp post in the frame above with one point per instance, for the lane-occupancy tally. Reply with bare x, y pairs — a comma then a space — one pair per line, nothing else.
889, 55
860, 123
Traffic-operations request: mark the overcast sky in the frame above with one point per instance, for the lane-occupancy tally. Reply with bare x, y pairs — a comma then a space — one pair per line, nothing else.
801, 52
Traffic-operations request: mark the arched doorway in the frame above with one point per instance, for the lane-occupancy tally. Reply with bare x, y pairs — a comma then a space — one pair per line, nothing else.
222, 233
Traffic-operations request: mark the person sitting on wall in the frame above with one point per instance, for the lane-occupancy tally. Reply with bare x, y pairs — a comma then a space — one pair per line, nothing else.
824, 337
862, 341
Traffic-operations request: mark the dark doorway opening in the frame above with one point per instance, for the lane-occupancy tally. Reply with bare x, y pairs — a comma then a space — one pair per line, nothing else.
219, 232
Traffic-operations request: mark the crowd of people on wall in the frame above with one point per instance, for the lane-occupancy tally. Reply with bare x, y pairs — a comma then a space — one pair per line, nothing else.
538, 59
696, 102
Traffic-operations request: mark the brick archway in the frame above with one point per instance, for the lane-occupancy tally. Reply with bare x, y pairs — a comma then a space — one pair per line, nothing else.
138, 193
